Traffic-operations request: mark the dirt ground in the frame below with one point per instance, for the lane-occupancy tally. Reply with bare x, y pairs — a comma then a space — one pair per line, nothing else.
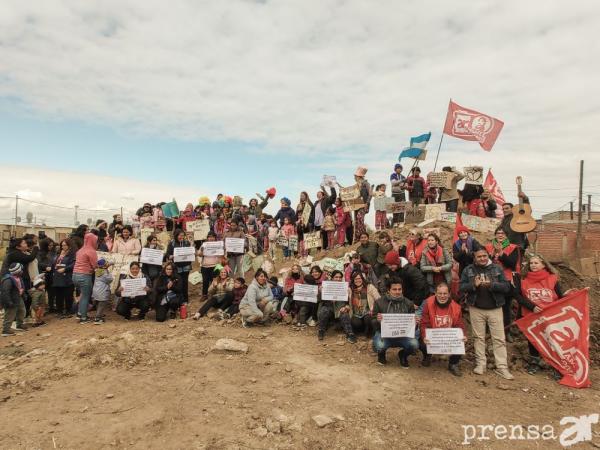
148, 385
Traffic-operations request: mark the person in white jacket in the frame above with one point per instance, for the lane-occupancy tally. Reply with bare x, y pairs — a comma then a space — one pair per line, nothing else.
257, 304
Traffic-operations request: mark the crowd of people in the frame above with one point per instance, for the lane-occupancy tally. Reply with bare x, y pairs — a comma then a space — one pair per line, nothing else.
422, 276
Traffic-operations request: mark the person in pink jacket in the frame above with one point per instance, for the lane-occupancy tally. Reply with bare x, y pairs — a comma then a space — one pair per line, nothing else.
126, 244
86, 261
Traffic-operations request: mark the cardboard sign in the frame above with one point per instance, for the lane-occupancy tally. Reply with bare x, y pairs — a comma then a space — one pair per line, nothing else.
213, 248
200, 228
353, 205
380, 203
151, 256
449, 217
195, 278
133, 287
474, 175
397, 207
445, 341
235, 245
349, 193
312, 240
398, 325
184, 254
306, 212
414, 214
164, 238
329, 181
306, 293
481, 224
293, 243
118, 264
335, 291
252, 244
440, 179
434, 212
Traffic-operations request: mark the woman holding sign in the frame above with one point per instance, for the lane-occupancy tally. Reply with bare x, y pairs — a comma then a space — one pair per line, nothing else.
182, 261
440, 311
152, 271
132, 292
329, 308
207, 266
436, 263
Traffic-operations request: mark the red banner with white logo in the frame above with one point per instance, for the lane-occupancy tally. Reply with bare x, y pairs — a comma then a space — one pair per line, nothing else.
561, 333
472, 125
492, 185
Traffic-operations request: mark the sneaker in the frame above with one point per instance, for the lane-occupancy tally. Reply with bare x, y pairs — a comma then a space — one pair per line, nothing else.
426, 361
321, 335
351, 338
311, 322
21, 327
403, 359
381, 359
98, 321
532, 368
84, 320
455, 370
8, 333
196, 316
479, 369
504, 373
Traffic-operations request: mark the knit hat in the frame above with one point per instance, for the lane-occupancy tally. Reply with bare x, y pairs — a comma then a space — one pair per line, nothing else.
286, 201
392, 258
459, 229
271, 192
101, 262
15, 268
360, 171
204, 200
398, 166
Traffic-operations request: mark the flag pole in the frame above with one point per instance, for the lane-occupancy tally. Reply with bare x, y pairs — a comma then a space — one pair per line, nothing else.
438, 152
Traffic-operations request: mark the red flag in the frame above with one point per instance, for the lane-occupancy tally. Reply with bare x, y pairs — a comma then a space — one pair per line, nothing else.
561, 333
456, 225
471, 125
491, 185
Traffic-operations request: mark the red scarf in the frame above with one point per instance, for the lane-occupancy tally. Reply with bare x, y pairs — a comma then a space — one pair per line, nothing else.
435, 256
539, 288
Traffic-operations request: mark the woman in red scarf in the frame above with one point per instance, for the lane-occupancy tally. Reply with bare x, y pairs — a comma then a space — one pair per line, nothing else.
535, 292
436, 263
415, 246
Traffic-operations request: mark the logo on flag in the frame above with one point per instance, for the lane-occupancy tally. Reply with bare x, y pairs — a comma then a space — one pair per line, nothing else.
471, 125
492, 185
561, 334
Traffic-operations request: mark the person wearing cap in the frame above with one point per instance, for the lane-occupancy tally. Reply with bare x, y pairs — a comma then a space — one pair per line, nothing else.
101, 290
12, 290
449, 196
39, 301
398, 182
366, 193
463, 248
285, 211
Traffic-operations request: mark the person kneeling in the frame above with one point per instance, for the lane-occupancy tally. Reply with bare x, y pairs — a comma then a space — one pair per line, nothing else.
167, 293
335, 310
126, 304
393, 302
440, 311
257, 304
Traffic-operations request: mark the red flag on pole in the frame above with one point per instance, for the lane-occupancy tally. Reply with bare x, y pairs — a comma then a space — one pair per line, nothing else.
561, 333
472, 125
491, 185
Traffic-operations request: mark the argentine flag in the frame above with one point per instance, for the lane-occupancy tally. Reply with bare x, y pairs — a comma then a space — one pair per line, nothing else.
417, 145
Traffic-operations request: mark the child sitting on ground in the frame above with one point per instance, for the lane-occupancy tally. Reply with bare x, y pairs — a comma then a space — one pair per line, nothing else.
39, 301
277, 292
239, 290
101, 290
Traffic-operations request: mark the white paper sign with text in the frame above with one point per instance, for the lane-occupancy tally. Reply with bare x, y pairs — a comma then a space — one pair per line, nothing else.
151, 256
306, 292
133, 287
213, 248
335, 291
398, 325
184, 254
445, 341
235, 245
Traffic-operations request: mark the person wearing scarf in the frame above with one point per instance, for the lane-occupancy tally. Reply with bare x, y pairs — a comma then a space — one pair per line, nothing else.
507, 256
440, 311
415, 246
436, 263
126, 304
537, 290
463, 248
362, 297
12, 295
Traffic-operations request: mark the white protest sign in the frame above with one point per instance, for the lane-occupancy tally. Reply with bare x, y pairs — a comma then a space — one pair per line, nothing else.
152, 256
213, 248
306, 293
235, 245
449, 217
398, 325
184, 254
445, 341
133, 287
335, 291
329, 180
195, 278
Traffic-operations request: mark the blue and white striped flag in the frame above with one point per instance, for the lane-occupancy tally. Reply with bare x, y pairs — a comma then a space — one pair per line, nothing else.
417, 146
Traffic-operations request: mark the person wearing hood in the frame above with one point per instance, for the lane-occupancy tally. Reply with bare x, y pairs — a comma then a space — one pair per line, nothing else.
486, 288
166, 293
256, 306
12, 291
393, 302
436, 263
183, 268
285, 211
126, 304
415, 244
86, 261
463, 248
126, 244
398, 182
440, 311
101, 290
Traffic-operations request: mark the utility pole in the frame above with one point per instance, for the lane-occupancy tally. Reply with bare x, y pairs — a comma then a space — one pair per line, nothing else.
580, 216
571, 210
589, 207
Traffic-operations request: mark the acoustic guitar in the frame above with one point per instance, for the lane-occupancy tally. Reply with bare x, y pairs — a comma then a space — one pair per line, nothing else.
521, 221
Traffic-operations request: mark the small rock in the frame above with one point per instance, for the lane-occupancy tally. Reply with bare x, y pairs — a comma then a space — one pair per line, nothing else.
273, 426
504, 387
322, 420
230, 345
172, 325
200, 331
261, 431
46, 335
85, 408
288, 369
255, 416
253, 380
339, 417
54, 423
110, 395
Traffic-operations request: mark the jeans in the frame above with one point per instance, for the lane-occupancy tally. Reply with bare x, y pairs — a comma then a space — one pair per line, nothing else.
83, 281
451, 205
13, 313
221, 301
380, 345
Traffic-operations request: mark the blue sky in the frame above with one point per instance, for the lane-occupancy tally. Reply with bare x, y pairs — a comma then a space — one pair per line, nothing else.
133, 102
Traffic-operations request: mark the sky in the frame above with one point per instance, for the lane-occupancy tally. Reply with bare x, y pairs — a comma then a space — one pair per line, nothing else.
110, 104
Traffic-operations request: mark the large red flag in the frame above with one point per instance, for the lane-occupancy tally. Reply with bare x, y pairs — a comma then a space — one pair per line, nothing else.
471, 125
491, 184
561, 333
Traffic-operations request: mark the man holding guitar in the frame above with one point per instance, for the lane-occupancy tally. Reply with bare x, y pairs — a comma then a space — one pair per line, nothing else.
517, 221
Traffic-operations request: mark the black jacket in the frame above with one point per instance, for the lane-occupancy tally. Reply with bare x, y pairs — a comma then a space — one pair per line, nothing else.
390, 305
160, 286
14, 255
499, 287
414, 284
66, 278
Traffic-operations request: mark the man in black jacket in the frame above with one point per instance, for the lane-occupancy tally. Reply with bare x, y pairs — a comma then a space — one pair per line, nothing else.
393, 303
514, 237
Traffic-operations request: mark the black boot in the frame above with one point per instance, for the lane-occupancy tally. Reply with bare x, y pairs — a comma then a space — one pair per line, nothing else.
381, 358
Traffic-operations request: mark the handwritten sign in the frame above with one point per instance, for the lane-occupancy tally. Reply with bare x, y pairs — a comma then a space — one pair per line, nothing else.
151, 256
414, 214
445, 341
164, 238
195, 278
397, 207
133, 287
481, 224
349, 193
305, 293
282, 241
329, 180
200, 228
353, 205
215, 248
440, 179
398, 325
306, 213
380, 203
184, 254
293, 243
312, 240
449, 217
474, 175
434, 211
335, 291
235, 245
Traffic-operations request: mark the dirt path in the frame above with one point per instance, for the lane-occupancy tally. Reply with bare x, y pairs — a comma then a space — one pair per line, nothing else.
145, 385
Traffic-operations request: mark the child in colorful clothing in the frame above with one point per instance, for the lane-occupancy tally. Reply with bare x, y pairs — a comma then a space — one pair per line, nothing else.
288, 229
39, 301
342, 222
101, 290
381, 221
239, 290
273, 233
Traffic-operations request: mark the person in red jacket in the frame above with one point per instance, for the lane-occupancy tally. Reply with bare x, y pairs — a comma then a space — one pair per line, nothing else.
535, 292
415, 246
440, 311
